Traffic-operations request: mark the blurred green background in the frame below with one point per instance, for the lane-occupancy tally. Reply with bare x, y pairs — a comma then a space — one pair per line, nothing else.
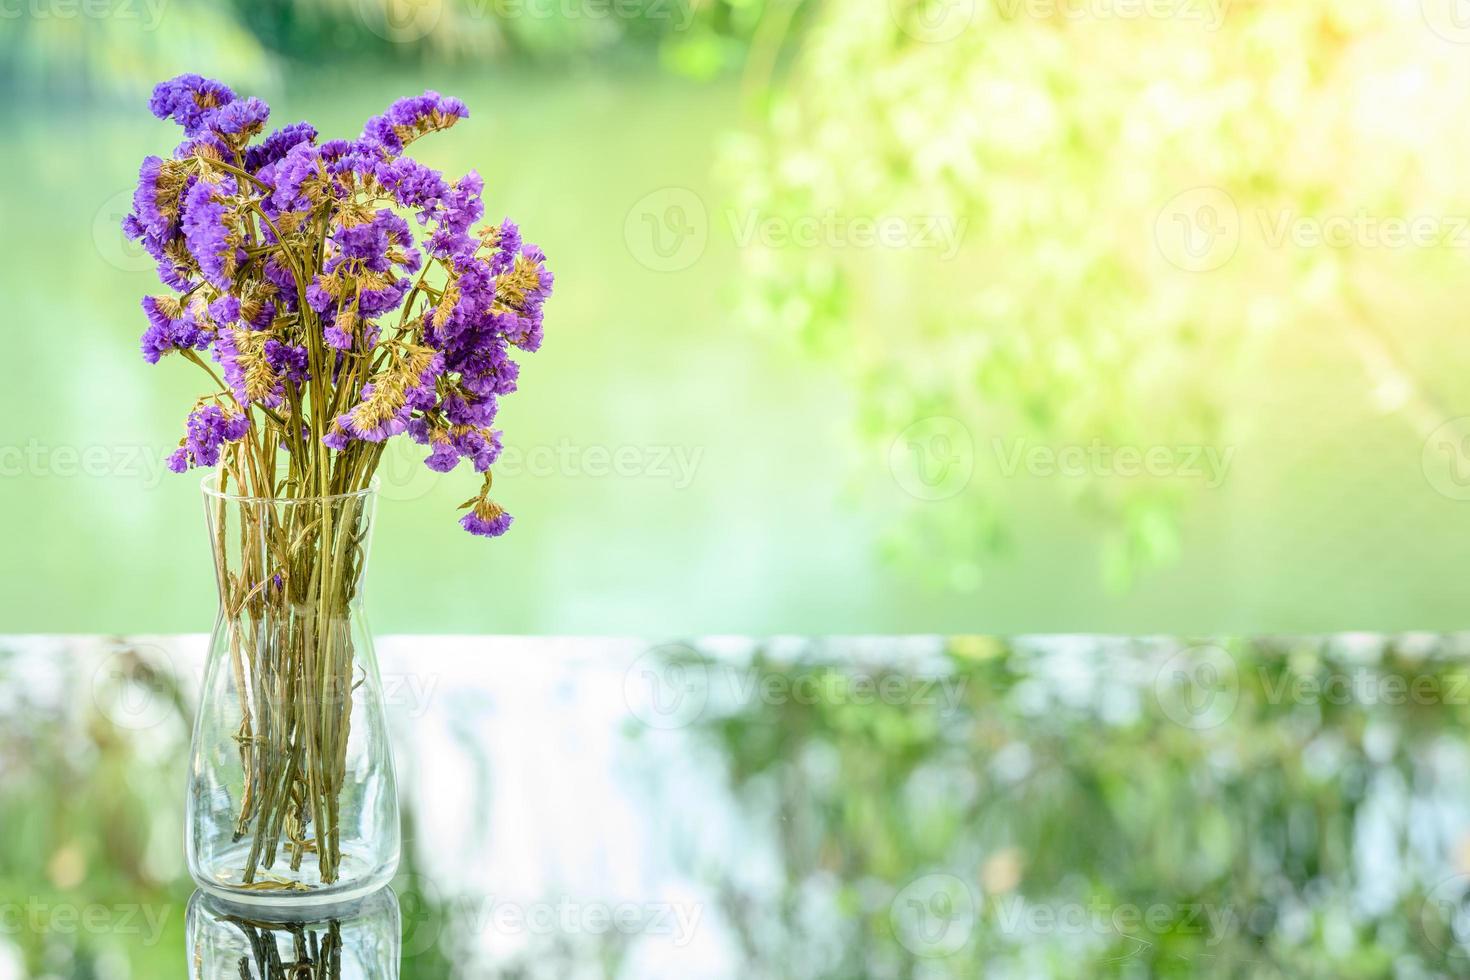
898, 314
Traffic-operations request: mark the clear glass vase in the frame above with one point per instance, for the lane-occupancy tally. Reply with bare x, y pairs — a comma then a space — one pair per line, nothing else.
358, 941
292, 799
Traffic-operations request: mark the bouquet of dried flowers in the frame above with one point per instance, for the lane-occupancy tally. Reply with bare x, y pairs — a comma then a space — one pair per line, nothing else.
337, 294
333, 326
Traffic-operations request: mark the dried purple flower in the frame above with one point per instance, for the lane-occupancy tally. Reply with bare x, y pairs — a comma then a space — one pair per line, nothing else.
188, 100
206, 431
171, 326
239, 120
277, 144
487, 518
209, 229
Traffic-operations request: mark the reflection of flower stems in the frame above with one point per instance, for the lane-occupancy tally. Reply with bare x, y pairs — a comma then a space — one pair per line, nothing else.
314, 957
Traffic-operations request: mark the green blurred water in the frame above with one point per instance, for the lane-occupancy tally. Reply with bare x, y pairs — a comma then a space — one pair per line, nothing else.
752, 507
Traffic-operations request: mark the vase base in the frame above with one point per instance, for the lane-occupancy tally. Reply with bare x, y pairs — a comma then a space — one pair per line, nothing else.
319, 904
295, 895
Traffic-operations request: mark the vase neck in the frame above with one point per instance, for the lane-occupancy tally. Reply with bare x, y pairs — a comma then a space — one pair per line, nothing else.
306, 553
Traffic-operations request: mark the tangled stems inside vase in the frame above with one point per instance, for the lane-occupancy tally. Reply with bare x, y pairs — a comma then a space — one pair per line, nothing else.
292, 768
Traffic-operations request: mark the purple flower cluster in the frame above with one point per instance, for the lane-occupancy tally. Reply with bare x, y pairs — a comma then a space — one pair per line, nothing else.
412, 117
425, 351
487, 519
190, 100
208, 226
171, 326
207, 430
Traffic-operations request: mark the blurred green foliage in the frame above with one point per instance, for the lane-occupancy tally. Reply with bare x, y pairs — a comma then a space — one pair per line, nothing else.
1119, 181
85, 840
1289, 814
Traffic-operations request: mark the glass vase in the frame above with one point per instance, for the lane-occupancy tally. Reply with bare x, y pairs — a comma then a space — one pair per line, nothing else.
358, 941
292, 799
